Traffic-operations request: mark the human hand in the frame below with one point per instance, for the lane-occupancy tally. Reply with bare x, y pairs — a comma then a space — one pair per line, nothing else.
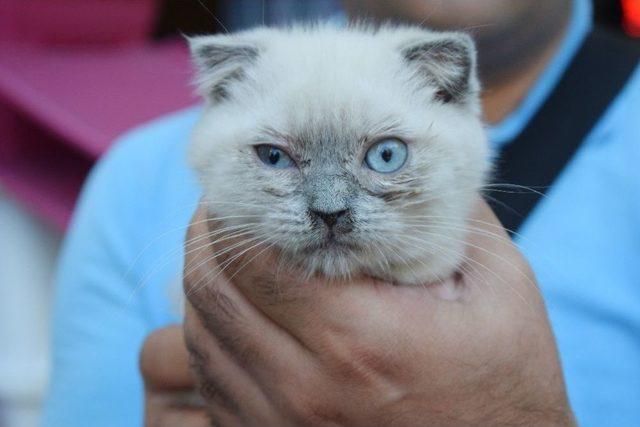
169, 383
476, 350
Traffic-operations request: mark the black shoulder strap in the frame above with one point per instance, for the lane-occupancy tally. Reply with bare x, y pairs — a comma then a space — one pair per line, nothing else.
596, 75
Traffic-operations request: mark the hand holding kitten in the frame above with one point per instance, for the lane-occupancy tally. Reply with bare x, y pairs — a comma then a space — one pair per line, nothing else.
270, 350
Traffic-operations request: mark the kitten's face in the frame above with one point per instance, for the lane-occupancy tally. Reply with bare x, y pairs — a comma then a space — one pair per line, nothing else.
349, 151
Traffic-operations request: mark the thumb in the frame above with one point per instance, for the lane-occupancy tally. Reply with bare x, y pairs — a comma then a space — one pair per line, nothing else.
164, 361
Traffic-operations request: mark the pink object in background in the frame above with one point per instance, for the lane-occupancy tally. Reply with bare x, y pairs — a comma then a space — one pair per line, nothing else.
71, 81
76, 21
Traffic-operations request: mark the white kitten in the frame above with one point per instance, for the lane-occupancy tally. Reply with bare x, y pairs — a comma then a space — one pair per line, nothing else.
348, 150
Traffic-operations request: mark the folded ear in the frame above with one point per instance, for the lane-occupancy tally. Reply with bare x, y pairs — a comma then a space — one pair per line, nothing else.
220, 60
446, 61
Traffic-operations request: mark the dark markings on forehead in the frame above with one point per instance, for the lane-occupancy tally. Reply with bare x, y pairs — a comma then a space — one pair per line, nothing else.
277, 135
336, 128
327, 137
318, 142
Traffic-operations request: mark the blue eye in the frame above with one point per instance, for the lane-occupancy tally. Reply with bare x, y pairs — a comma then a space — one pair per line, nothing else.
274, 157
387, 155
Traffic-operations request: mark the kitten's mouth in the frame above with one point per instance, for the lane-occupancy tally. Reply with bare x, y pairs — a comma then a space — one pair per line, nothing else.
333, 243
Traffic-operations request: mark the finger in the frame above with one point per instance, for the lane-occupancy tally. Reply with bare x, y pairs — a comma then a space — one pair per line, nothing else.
490, 230
164, 361
257, 344
492, 251
223, 384
164, 364
305, 309
160, 413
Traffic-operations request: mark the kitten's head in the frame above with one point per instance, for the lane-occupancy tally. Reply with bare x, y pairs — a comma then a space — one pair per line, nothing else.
355, 150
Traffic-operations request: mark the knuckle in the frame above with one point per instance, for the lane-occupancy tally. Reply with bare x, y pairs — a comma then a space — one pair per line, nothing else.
213, 390
377, 374
357, 362
198, 356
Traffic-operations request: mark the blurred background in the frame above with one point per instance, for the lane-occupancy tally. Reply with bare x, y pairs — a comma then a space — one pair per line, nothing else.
74, 75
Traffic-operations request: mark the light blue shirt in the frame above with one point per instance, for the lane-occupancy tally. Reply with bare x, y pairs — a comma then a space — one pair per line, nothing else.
124, 248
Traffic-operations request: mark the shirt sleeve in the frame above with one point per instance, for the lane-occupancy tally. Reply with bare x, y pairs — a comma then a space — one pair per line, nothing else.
106, 303
98, 325
110, 292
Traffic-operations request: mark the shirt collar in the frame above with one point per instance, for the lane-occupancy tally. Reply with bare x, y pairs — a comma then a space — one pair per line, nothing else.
579, 26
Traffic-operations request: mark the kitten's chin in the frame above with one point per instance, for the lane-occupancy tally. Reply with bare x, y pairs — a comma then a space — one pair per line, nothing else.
345, 261
345, 258
334, 260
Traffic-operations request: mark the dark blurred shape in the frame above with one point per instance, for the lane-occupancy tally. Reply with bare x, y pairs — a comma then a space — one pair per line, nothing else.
212, 16
622, 16
608, 13
240, 14
188, 16
631, 17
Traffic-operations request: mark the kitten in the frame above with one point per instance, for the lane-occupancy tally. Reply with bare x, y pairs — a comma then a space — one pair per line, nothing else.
350, 151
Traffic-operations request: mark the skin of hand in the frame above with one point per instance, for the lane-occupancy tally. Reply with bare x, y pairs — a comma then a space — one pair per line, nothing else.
269, 349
